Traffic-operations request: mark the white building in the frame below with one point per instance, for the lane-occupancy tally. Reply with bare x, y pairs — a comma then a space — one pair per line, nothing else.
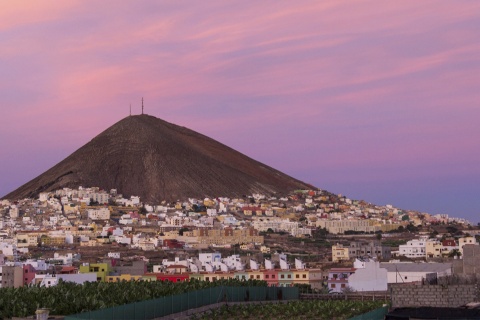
14, 212
368, 276
99, 214
50, 280
404, 272
43, 196
415, 248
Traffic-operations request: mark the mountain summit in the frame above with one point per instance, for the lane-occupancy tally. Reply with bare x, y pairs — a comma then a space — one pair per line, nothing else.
157, 160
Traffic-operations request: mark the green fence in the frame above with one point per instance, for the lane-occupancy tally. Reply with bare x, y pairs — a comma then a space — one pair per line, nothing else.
168, 305
377, 314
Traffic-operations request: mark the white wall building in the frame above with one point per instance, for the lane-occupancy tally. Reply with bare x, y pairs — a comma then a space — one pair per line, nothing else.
99, 214
404, 272
50, 280
368, 276
415, 248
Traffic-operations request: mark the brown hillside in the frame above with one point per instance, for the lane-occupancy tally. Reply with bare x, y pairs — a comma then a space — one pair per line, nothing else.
146, 156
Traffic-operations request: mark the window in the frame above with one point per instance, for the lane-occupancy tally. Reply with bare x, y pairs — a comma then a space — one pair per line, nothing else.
282, 276
333, 285
267, 276
207, 278
297, 276
304, 276
251, 276
243, 277
405, 278
273, 276
289, 276
343, 285
258, 276
178, 280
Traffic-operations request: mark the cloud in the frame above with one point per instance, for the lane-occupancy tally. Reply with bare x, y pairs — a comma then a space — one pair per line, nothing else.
366, 89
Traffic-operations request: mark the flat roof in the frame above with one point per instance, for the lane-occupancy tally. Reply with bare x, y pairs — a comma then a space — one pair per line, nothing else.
416, 267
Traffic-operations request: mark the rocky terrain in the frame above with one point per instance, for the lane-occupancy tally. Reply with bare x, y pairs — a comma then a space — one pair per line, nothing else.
156, 160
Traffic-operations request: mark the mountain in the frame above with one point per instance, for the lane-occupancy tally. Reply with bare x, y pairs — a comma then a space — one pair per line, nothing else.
157, 160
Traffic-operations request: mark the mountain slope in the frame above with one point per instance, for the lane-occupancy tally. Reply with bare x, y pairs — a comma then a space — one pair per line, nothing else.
146, 156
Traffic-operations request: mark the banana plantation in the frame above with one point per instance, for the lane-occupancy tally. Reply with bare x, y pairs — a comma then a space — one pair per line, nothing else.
69, 298
331, 309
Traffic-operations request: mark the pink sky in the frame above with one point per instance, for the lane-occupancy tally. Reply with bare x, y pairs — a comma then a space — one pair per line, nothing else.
375, 100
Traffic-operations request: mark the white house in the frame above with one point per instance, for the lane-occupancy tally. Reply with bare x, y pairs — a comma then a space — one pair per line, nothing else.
114, 255
50, 280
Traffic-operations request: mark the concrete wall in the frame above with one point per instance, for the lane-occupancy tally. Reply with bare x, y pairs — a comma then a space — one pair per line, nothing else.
470, 262
415, 295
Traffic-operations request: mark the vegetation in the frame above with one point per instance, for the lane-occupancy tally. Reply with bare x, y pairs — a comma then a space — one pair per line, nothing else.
393, 243
317, 309
70, 298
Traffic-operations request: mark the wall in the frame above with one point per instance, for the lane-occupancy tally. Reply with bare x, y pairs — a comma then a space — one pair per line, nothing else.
470, 262
369, 278
414, 295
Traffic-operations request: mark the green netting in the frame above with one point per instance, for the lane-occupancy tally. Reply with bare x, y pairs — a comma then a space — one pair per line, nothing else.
377, 314
164, 306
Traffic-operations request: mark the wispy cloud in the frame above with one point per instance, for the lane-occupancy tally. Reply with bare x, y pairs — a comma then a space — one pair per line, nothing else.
348, 86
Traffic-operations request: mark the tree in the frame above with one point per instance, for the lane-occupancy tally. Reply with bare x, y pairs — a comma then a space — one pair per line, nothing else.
412, 228
405, 217
452, 230
454, 253
379, 236
348, 290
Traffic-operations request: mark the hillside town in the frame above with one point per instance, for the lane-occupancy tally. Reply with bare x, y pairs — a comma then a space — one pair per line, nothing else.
327, 242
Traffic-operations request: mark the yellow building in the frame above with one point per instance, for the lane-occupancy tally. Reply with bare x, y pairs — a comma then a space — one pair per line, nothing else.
227, 236
465, 240
122, 277
102, 270
255, 275
433, 249
300, 276
340, 226
52, 240
26, 240
339, 253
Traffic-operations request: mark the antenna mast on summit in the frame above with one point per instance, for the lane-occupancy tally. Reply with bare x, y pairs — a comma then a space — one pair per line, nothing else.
142, 105
130, 109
